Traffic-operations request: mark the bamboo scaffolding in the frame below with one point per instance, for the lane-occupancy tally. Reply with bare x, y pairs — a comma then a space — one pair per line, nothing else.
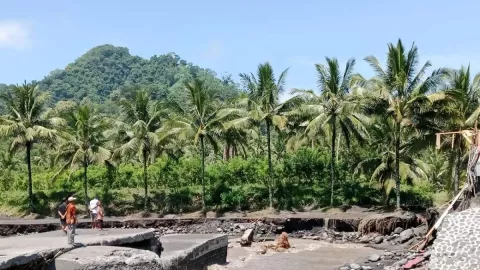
469, 184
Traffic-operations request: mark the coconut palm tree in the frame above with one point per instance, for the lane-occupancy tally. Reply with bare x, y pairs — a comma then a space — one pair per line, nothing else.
381, 166
264, 107
84, 142
136, 133
235, 141
198, 122
460, 114
334, 110
435, 164
401, 93
27, 123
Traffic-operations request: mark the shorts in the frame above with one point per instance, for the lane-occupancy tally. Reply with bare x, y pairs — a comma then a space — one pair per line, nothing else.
63, 222
93, 215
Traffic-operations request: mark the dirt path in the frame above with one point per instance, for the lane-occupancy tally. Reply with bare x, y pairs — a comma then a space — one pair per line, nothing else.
354, 212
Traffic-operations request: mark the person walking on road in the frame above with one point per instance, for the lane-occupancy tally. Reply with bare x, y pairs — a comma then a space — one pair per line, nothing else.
62, 209
71, 219
93, 211
100, 215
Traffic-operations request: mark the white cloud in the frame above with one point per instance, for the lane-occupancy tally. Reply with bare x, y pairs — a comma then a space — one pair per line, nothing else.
14, 34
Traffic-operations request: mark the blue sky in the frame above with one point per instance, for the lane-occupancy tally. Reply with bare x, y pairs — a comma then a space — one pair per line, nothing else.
235, 36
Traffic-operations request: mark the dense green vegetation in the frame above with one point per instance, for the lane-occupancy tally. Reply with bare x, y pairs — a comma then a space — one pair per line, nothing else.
167, 136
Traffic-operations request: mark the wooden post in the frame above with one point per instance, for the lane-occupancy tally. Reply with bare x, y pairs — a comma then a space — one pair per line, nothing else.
438, 141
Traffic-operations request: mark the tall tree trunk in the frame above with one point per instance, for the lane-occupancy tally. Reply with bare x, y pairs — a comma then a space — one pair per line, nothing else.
269, 153
30, 184
85, 181
202, 145
332, 161
456, 171
338, 145
397, 163
145, 180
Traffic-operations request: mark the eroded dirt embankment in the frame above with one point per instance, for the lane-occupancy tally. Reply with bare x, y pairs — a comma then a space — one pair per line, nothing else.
383, 224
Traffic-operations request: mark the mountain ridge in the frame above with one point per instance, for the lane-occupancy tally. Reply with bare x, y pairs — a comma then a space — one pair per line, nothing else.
106, 70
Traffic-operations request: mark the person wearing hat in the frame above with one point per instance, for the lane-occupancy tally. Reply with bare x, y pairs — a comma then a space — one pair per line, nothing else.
71, 219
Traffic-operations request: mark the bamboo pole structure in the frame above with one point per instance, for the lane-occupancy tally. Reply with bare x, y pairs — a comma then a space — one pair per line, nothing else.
424, 241
469, 184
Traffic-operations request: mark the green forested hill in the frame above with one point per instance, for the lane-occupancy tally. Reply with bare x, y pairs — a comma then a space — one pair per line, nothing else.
106, 71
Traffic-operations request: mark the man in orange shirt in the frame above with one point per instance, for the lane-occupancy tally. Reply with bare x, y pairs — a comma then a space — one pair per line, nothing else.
71, 220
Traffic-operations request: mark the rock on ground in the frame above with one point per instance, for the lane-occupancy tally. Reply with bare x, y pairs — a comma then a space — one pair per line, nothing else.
247, 238
398, 230
406, 235
374, 258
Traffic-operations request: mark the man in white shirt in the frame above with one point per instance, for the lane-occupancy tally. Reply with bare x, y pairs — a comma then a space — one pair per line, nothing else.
93, 211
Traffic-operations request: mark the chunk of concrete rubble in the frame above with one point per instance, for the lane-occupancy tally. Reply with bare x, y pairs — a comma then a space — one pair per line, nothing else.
247, 238
106, 257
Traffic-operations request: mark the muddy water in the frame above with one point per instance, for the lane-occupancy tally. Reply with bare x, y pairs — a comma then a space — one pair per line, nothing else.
304, 254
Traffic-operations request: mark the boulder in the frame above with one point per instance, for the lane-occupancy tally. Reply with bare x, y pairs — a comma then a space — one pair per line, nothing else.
406, 235
247, 238
388, 254
402, 262
378, 239
398, 230
365, 239
420, 230
374, 258
262, 251
355, 266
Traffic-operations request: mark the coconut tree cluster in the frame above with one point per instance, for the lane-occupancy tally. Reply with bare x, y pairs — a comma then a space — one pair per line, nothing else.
393, 115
